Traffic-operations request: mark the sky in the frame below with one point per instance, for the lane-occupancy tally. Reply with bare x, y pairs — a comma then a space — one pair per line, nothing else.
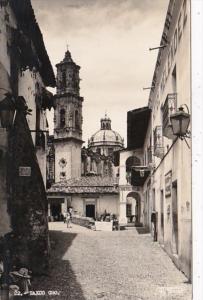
110, 40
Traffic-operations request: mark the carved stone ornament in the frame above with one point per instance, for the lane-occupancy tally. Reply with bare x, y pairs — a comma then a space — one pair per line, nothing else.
62, 162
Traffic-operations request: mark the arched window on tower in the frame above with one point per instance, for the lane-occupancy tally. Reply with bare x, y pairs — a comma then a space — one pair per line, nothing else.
64, 79
77, 121
62, 117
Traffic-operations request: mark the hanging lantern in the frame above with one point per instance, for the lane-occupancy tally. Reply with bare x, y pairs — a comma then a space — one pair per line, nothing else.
180, 122
141, 173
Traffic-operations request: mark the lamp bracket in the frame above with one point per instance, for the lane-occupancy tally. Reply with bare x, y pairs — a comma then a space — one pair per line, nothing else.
186, 142
159, 47
184, 105
149, 88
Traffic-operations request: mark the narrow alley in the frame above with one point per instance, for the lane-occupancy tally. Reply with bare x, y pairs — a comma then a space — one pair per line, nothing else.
88, 265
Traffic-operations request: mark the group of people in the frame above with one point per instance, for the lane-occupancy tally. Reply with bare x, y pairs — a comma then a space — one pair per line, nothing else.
109, 217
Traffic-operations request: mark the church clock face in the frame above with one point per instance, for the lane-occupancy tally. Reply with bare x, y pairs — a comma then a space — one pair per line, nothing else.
63, 162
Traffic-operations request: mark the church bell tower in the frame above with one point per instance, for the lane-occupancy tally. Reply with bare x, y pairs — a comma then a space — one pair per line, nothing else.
68, 120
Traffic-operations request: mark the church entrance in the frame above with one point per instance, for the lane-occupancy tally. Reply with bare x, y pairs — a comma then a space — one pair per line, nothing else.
90, 210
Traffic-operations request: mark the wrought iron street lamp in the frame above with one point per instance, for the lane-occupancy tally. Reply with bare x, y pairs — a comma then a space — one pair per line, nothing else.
180, 122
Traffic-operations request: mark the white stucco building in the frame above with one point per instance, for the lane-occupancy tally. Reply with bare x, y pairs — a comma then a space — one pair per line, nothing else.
167, 190
25, 70
171, 180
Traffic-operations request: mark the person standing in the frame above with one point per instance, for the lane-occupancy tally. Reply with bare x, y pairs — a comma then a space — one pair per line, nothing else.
68, 220
69, 217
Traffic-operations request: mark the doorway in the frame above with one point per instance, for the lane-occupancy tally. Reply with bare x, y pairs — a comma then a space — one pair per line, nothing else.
133, 208
56, 211
162, 214
90, 210
175, 217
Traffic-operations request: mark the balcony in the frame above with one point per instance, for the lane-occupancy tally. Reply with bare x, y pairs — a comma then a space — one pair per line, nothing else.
158, 142
139, 175
169, 108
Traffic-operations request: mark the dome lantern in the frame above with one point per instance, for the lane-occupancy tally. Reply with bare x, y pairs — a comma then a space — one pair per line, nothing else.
105, 123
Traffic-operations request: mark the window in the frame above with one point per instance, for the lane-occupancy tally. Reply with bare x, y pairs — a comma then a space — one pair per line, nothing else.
62, 118
63, 175
174, 83
158, 142
37, 118
169, 107
110, 151
64, 79
132, 161
77, 122
98, 150
128, 210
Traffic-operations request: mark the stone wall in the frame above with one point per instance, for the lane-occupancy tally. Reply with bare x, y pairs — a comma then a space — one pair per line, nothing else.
28, 202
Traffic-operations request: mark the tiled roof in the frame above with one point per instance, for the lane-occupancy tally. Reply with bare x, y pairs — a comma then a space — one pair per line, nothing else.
86, 185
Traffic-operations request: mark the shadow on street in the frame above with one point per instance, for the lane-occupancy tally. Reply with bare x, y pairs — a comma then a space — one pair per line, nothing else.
61, 281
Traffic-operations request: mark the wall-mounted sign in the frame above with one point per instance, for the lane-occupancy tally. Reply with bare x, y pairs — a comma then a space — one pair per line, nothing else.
168, 184
25, 171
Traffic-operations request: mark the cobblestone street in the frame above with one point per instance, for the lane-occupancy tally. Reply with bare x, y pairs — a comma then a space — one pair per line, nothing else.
88, 265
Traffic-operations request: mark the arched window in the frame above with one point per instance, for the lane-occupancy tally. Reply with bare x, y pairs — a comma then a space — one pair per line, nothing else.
98, 150
64, 79
77, 121
62, 117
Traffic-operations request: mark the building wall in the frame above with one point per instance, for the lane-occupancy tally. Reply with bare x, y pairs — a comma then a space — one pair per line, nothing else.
28, 81
33, 231
5, 225
4, 216
4, 37
175, 167
110, 203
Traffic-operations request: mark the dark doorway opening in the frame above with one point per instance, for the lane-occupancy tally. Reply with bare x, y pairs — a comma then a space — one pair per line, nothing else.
162, 214
133, 209
90, 210
175, 217
56, 211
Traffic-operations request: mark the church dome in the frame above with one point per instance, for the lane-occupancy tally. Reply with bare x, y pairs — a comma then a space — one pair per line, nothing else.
106, 136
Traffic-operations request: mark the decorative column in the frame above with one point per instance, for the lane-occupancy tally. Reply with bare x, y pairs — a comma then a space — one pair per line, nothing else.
88, 164
94, 166
64, 206
49, 210
122, 209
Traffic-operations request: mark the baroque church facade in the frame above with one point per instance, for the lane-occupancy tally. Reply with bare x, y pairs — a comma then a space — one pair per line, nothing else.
82, 177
